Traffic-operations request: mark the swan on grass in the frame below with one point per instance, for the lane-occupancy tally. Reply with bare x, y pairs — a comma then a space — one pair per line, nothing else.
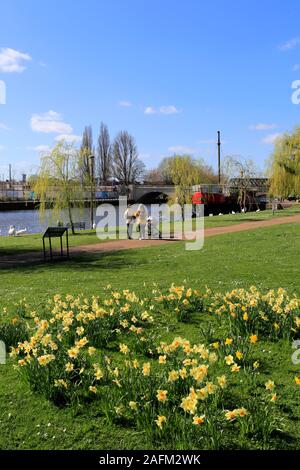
20, 232
12, 230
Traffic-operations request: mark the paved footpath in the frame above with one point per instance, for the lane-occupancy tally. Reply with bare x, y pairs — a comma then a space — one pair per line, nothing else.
117, 245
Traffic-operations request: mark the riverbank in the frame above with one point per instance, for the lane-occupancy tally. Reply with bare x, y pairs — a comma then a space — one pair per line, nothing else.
80, 244
27, 243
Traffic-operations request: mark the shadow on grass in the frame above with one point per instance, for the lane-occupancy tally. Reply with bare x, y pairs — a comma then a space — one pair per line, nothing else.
84, 261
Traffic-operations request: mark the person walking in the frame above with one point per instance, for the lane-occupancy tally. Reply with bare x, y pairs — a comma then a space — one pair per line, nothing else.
141, 218
129, 219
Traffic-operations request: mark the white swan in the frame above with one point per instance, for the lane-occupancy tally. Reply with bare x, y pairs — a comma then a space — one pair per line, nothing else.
11, 230
20, 232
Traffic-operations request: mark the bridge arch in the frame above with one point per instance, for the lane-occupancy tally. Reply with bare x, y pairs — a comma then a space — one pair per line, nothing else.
153, 197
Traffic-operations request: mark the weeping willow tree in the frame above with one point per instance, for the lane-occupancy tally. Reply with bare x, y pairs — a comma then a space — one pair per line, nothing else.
185, 171
58, 182
284, 165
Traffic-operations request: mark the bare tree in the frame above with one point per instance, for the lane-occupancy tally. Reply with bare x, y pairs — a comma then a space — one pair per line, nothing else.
104, 154
242, 171
127, 167
86, 150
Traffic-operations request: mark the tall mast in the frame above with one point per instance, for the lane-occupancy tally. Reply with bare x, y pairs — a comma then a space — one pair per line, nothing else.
219, 157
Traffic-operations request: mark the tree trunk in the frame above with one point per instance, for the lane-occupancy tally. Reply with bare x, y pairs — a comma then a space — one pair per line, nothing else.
70, 219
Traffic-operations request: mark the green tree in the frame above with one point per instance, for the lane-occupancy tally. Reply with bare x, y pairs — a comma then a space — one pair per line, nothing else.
284, 165
185, 171
58, 182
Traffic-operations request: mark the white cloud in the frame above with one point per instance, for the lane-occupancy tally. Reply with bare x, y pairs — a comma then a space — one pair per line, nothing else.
125, 103
39, 148
12, 60
150, 110
290, 44
271, 138
182, 149
70, 138
50, 122
4, 126
171, 109
262, 127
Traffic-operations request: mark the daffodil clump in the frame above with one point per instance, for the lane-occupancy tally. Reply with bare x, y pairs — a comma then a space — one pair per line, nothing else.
110, 350
236, 351
14, 327
59, 358
181, 389
272, 315
182, 300
187, 388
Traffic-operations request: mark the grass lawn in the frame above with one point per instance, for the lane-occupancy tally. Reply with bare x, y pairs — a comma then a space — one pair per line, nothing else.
267, 258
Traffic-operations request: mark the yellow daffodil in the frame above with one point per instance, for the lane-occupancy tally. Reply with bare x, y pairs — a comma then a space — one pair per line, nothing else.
133, 405
231, 415
162, 359
73, 353
91, 351
253, 338
269, 385
98, 374
160, 421
162, 395
146, 368
189, 404
69, 367
239, 355
173, 376
222, 381
198, 420
235, 368
183, 373
124, 349
229, 360
228, 341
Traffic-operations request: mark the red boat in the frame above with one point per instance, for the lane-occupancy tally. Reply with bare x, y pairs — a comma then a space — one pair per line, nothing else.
208, 194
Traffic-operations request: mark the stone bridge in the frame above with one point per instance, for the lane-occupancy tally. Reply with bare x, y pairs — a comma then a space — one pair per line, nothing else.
147, 193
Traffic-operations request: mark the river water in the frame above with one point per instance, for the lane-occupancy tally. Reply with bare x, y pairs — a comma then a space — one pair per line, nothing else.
31, 221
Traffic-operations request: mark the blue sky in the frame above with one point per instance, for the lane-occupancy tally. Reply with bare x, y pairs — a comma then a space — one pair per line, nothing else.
170, 72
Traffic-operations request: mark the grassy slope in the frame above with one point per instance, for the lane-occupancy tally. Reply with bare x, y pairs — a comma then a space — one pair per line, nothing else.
268, 258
